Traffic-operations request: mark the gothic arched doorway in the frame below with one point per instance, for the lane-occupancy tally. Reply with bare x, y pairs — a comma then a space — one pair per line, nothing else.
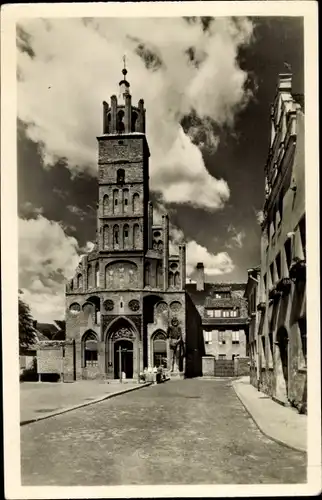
123, 358
122, 349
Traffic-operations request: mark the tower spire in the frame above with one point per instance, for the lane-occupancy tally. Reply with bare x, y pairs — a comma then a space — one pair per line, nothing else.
124, 84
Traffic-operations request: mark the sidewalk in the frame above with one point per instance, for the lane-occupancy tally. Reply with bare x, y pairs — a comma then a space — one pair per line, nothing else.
39, 400
282, 424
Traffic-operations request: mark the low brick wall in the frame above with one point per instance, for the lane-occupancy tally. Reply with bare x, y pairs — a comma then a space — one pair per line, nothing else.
212, 367
208, 366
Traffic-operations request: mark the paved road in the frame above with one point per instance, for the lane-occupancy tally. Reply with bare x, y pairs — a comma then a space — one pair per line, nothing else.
181, 432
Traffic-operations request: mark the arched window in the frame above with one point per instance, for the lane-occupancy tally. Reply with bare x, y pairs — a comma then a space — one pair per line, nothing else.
116, 236
176, 279
79, 281
136, 236
105, 236
133, 121
90, 349
126, 200
147, 274
136, 203
105, 204
120, 176
116, 201
159, 275
89, 276
126, 236
159, 350
97, 275
120, 123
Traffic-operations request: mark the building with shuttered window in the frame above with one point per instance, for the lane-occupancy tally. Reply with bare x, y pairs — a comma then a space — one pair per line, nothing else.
224, 314
281, 326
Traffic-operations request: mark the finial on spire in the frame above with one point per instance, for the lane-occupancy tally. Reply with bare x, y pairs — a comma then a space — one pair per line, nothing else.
124, 70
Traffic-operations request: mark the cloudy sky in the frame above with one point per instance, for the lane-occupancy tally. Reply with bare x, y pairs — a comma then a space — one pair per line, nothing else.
207, 85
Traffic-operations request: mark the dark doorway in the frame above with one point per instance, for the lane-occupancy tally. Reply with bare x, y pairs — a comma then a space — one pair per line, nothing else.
282, 342
126, 358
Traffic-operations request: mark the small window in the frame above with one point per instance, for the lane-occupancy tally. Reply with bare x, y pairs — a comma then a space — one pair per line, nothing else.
265, 281
217, 313
302, 227
288, 251
125, 201
115, 202
235, 337
210, 313
278, 265
120, 176
222, 356
221, 337
126, 233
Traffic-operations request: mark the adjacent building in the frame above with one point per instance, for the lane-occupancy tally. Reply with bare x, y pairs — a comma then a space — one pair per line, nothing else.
251, 295
224, 314
281, 327
126, 292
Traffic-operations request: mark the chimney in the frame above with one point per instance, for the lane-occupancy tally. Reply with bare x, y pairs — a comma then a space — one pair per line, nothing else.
200, 276
285, 82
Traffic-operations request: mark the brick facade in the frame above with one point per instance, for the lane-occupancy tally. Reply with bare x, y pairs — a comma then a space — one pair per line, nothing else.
278, 347
128, 289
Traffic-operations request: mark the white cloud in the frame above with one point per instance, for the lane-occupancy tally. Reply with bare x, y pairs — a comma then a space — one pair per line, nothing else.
237, 238
46, 257
215, 264
28, 209
79, 212
259, 216
61, 89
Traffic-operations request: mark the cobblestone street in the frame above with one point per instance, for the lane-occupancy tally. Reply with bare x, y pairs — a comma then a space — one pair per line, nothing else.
181, 432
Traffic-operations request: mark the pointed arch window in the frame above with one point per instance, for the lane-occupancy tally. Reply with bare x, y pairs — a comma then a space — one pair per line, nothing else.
90, 349
97, 275
177, 279
120, 127
136, 236
136, 203
126, 200
116, 236
126, 236
105, 204
89, 276
79, 281
147, 274
105, 236
116, 201
121, 176
159, 275
133, 121
159, 350
108, 123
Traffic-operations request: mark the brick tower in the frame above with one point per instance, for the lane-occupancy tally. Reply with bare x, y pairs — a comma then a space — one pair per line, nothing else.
128, 289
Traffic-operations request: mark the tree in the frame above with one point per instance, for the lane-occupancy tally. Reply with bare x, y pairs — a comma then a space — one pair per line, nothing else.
27, 332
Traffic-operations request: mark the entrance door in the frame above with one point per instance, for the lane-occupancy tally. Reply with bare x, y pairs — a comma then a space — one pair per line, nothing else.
126, 358
282, 339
